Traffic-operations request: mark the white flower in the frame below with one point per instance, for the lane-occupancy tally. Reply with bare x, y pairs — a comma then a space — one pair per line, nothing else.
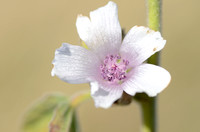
110, 64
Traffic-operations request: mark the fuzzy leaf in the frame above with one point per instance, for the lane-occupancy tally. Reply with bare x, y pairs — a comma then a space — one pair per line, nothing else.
38, 117
64, 119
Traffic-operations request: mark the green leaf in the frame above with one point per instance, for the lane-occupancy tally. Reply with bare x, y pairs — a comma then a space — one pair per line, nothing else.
74, 124
55, 113
64, 119
38, 117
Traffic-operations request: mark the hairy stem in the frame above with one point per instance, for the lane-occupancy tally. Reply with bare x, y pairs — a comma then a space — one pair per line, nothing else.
148, 104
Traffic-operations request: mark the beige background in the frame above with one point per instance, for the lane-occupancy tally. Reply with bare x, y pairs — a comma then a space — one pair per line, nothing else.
31, 30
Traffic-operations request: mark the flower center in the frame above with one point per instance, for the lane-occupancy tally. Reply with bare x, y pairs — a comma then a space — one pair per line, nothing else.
114, 69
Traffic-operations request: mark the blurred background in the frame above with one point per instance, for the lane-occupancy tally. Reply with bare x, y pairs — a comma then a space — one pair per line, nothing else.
30, 31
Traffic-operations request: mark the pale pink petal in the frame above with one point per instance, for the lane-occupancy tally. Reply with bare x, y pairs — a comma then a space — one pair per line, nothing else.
147, 78
140, 43
84, 29
103, 98
75, 64
103, 33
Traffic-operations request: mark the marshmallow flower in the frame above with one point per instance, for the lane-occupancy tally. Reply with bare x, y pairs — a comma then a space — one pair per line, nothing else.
111, 65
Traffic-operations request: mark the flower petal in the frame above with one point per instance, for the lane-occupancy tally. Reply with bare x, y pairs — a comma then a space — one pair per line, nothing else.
147, 78
84, 29
102, 97
140, 43
74, 64
103, 33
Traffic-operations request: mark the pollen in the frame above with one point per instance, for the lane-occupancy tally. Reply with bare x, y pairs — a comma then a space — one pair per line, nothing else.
114, 69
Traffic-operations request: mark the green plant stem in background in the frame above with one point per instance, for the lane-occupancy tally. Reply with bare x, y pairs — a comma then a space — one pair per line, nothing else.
149, 115
148, 110
148, 104
154, 22
79, 98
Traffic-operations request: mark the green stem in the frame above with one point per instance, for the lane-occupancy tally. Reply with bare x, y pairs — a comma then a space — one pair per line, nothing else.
79, 98
148, 104
154, 22
148, 109
149, 115
154, 14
